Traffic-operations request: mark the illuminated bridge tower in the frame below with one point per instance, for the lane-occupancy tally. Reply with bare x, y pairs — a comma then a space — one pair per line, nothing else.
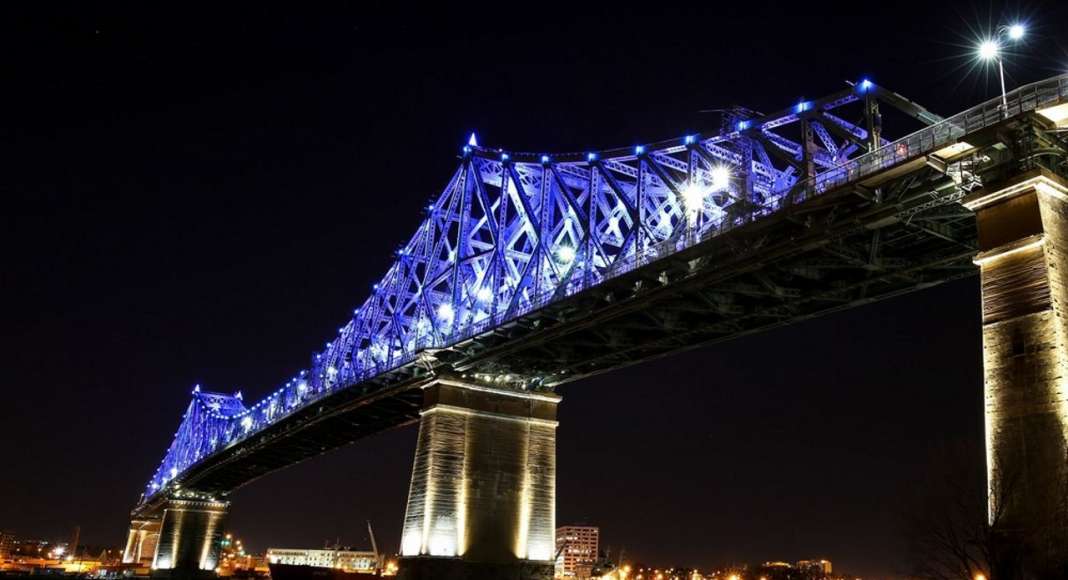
1023, 239
483, 491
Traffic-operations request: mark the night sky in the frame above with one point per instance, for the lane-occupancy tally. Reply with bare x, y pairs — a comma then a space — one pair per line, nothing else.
198, 196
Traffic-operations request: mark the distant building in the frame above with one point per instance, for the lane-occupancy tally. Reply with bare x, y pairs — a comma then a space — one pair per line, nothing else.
7, 544
820, 567
357, 561
576, 548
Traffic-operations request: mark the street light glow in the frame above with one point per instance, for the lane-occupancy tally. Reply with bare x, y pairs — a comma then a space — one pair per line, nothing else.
1017, 31
988, 50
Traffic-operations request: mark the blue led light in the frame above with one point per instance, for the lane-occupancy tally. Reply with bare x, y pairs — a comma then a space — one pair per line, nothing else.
591, 157
472, 141
505, 157
639, 150
544, 158
467, 150
802, 107
689, 139
743, 125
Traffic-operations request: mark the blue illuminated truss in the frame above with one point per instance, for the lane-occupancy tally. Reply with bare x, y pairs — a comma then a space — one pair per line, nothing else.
512, 232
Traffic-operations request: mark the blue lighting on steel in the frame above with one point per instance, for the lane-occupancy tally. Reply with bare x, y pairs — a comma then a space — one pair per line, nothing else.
505, 238
865, 85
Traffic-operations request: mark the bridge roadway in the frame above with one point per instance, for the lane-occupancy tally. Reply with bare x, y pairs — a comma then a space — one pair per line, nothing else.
886, 223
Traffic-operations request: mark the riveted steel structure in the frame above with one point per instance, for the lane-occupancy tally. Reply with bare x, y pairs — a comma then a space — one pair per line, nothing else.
531, 270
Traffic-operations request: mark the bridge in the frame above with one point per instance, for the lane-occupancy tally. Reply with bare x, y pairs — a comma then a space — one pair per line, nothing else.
532, 270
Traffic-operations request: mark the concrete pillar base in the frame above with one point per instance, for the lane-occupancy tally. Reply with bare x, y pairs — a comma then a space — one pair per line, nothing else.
430, 568
190, 537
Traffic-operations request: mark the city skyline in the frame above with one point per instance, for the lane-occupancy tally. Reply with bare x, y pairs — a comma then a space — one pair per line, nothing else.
214, 202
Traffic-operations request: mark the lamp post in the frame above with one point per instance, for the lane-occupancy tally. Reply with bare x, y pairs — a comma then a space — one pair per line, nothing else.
990, 49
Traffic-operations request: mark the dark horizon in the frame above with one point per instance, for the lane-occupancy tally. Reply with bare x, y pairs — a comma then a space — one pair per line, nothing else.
202, 197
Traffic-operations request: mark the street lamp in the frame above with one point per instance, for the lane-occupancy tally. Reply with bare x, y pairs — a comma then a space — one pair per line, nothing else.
990, 49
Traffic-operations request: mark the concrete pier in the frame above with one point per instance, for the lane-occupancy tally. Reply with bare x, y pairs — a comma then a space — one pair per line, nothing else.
1023, 238
141, 541
190, 535
483, 491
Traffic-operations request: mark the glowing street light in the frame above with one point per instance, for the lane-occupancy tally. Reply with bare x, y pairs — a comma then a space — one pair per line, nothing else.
990, 50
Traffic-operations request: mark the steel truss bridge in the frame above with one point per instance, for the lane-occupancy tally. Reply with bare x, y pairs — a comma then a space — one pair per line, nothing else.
533, 270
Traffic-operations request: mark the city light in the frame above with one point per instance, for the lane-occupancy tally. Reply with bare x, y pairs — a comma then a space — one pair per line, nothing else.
565, 254
1017, 31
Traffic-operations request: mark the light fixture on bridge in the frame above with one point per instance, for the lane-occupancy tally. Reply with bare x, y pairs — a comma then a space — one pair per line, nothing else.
721, 178
865, 85
545, 159
472, 141
505, 157
445, 312
990, 50
565, 254
743, 125
485, 294
591, 157
639, 150
694, 198
689, 139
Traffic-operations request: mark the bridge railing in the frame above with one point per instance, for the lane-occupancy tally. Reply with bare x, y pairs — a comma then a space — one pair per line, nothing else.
934, 137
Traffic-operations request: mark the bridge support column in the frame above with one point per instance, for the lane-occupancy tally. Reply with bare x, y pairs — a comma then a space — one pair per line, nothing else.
141, 542
482, 500
1023, 238
190, 535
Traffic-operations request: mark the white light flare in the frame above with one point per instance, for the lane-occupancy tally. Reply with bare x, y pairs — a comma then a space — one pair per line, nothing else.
988, 50
1017, 31
565, 254
721, 178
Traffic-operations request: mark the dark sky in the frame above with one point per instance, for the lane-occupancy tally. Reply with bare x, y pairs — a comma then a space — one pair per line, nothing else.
202, 195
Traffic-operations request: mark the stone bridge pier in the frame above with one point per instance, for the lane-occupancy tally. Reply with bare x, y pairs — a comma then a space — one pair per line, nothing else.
1023, 259
482, 500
